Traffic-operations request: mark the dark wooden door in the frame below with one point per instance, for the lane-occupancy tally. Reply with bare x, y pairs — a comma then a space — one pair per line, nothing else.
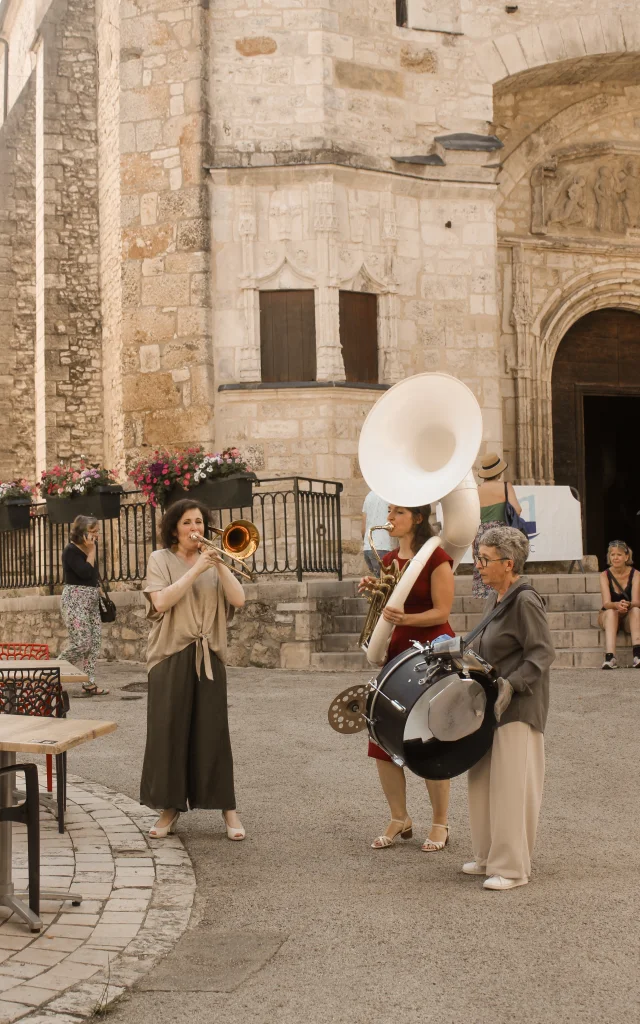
359, 336
288, 335
595, 388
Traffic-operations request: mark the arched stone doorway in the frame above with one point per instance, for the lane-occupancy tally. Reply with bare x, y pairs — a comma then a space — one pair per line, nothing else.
596, 414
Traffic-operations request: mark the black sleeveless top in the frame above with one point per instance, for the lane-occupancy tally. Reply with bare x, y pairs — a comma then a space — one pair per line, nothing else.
615, 590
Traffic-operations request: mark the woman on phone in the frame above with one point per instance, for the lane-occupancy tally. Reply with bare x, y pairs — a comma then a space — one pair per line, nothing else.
424, 618
191, 594
80, 602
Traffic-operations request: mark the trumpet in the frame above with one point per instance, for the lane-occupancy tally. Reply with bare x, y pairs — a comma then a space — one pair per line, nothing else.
238, 541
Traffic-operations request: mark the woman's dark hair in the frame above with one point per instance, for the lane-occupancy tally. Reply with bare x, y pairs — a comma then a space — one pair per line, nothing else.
423, 529
174, 514
80, 527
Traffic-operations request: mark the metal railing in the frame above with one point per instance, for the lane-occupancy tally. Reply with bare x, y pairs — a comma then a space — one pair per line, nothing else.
298, 519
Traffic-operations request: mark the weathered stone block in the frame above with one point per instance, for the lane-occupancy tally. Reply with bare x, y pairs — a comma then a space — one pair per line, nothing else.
254, 46
296, 655
360, 76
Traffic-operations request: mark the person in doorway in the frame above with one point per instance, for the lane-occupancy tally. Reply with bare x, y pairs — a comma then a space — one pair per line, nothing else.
190, 592
505, 786
494, 494
80, 601
620, 589
375, 513
425, 617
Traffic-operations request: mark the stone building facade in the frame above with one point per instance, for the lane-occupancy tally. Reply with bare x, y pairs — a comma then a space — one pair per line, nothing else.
167, 165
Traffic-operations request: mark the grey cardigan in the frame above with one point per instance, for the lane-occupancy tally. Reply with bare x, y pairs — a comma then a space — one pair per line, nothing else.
519, 646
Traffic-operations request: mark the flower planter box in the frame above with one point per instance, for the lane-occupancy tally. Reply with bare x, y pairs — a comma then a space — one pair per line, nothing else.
234, 491
14, 515
102, 504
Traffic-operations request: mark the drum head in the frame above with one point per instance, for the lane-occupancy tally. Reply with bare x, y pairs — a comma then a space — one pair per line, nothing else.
433, 758
436, 716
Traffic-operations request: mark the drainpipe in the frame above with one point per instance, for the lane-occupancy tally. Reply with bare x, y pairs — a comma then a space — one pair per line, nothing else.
5, 89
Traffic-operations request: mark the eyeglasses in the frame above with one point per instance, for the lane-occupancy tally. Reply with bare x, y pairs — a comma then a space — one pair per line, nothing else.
484, 561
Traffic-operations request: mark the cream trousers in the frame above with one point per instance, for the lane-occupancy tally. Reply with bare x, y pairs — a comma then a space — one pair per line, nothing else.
505, 793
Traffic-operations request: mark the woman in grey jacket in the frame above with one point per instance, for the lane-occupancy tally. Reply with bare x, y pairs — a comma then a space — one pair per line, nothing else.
505, 787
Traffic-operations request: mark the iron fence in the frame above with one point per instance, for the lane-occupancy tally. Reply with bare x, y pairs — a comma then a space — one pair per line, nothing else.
298, 519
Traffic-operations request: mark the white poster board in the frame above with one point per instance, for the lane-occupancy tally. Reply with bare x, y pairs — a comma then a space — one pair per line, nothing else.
557, 536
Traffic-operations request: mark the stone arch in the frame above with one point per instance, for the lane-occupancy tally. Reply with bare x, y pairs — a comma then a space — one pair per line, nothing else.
557, 40
533, 148
539, 336
618, 286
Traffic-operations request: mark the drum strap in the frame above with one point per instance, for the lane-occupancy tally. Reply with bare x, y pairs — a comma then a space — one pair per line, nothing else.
493, 614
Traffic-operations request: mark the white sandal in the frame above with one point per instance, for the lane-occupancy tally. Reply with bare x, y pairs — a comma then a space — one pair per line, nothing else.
234, 832
405, 832
435, 845
159, 832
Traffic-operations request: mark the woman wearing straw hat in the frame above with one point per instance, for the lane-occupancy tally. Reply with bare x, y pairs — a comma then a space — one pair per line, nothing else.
494, 494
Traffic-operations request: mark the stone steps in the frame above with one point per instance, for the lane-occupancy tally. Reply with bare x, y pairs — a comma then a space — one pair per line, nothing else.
572, 603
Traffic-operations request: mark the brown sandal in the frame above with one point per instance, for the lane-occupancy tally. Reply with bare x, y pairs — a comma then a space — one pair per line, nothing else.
92, 691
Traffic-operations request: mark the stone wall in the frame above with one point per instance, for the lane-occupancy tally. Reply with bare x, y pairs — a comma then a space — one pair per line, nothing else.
166, 330
280, 626
108, 121
17, 288
71, 331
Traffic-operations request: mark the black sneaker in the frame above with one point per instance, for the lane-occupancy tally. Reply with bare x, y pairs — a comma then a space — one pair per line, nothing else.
610, 663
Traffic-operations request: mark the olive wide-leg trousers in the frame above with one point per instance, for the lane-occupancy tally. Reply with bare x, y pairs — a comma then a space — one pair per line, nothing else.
187, 761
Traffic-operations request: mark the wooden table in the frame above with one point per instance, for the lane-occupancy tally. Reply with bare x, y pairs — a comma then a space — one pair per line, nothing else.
29, 734
68, 672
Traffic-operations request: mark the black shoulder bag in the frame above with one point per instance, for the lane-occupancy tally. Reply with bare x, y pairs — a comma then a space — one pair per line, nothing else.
108, 609
511, 517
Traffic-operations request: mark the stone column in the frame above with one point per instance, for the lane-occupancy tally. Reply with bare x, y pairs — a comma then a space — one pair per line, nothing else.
330, 365
521, 318
250, 360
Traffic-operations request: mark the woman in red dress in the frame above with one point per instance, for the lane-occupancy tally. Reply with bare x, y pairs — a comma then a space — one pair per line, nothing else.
425, 617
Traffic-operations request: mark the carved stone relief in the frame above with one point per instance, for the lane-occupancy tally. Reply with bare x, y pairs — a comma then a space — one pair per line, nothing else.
588, 190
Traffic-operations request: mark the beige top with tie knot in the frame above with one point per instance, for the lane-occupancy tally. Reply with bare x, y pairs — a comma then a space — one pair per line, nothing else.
200, 615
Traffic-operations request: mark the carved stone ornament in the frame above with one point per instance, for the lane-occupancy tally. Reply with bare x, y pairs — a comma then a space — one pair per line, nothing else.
247, 214
326, 218
587, 190
522, 310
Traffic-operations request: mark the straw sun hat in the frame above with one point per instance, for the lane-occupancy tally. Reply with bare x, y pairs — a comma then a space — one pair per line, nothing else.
491, 465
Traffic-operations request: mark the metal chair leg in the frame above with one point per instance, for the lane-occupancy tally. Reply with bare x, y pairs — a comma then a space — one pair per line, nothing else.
27, 813
60, 790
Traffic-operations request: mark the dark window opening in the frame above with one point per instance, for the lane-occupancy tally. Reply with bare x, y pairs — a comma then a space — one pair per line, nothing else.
287, 335
401, 13
359, 336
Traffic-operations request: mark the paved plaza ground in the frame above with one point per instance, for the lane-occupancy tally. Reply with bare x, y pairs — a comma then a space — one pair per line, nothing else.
304, 924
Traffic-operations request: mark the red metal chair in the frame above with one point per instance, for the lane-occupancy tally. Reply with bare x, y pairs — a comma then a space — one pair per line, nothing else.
33, 652
38, 691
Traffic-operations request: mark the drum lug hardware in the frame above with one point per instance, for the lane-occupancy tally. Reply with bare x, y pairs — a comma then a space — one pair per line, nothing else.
398, 760
397, 705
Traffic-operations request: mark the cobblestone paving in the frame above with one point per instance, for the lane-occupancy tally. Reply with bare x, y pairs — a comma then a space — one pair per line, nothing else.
137, 899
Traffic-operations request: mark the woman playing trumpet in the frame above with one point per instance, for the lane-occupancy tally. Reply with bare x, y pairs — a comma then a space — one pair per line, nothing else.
191, 594
425, 617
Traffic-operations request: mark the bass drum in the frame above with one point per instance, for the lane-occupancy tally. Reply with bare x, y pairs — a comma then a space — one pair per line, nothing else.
434, 714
